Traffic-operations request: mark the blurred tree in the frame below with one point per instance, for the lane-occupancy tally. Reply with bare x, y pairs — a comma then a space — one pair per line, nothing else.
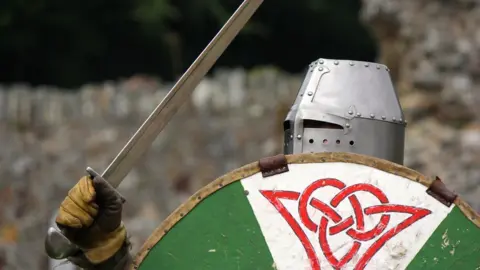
68, 43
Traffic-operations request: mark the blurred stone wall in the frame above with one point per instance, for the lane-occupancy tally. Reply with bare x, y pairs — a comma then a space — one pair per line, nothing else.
433, 50
49, 136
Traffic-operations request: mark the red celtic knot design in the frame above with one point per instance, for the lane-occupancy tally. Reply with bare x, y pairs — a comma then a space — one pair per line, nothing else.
332, 223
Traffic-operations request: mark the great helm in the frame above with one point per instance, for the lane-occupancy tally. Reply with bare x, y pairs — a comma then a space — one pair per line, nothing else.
346, 106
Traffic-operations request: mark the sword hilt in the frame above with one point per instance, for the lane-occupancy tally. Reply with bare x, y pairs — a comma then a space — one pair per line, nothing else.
92, 173
57, 245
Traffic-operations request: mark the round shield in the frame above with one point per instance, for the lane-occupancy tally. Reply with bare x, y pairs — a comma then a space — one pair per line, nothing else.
318, 211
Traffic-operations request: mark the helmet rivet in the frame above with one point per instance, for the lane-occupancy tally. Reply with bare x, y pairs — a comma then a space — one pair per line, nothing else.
387, 69
320, 69
351, 63
401, 120
394, 119
291, 136
359, 114
350, 112
299, 137
406, 122
336, 62
310, 93
347, 125
367, 64
384, 117
378, 66
372, 115
321, 61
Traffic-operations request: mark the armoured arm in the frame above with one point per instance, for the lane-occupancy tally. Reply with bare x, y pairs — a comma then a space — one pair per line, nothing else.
91, 218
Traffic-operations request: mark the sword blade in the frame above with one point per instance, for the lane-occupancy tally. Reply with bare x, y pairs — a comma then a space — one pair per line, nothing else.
159, 118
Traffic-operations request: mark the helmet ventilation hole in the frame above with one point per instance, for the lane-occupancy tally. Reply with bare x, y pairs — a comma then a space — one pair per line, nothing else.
325, 141
352, 142
338, 141
311, 141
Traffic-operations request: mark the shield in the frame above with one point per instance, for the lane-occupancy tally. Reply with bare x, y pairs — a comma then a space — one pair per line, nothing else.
318, 211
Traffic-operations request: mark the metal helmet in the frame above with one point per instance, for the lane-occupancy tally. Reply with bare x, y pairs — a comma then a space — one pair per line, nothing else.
346, 106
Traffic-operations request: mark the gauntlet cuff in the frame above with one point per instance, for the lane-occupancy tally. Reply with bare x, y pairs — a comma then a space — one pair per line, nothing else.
106, 245
119, 261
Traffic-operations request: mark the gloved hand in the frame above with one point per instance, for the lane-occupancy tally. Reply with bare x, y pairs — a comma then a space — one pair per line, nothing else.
91, 217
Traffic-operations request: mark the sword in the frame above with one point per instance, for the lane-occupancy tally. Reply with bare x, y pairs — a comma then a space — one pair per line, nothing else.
57, 244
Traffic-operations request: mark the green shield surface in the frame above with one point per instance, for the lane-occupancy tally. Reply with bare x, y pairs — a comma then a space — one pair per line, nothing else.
321, 211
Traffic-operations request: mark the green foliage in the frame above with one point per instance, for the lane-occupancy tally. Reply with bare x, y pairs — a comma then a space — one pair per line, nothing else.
68, 43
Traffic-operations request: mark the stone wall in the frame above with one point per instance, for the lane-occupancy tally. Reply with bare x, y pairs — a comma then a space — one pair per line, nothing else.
49, 136
433, 50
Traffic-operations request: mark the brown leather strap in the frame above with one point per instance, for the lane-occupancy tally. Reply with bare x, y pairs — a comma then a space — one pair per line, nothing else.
270, 166
439, 191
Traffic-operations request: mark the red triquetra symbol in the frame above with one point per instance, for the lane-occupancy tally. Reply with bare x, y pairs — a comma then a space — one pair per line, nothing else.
332, 223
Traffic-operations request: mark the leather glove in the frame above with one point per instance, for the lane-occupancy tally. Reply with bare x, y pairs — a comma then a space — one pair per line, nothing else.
91, 217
